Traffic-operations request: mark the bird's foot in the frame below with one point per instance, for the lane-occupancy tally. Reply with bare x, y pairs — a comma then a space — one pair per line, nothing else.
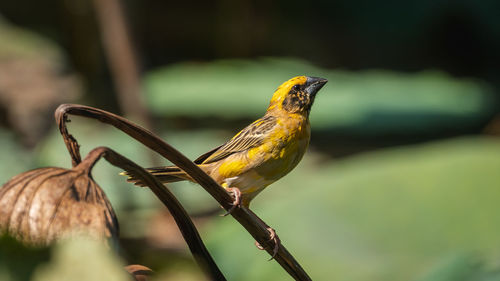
237, 199
272, 237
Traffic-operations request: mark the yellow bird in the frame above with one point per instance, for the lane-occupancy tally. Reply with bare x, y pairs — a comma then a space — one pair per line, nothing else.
264, 151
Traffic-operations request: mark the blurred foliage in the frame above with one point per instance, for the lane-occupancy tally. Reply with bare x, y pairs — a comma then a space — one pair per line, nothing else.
461, 37
464, 267
82, 260
21, 43
387, 215
18, 262
367, 102
34, 79
78, 259
14, 159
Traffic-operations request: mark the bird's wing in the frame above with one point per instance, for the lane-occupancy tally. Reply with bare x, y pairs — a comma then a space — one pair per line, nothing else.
251, 136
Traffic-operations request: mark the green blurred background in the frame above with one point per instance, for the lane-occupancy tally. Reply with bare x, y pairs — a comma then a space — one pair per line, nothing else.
402, 179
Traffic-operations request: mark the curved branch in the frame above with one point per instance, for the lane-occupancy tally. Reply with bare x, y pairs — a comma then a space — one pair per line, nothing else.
253, 224
186, 226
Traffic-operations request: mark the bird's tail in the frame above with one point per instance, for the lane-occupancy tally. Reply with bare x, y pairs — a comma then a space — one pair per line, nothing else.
163, 174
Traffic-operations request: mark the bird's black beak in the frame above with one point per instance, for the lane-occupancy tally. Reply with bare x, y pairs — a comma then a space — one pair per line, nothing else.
314, 84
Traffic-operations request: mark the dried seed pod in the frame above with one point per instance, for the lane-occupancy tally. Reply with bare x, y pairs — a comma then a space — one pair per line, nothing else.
46, 204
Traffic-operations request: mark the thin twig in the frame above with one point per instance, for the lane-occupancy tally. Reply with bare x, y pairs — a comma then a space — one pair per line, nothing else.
244, 216
186, 226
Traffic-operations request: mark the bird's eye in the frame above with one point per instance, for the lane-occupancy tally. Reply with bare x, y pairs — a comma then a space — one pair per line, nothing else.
296, 87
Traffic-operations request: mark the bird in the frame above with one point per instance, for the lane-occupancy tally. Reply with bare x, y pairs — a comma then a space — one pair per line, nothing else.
264, 151
261, 153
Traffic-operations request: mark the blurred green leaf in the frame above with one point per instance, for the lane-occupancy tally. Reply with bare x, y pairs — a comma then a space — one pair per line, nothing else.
387, 215
22, 43
464, 267
82, 260
15, 159
75, 259
368, 102
17, 261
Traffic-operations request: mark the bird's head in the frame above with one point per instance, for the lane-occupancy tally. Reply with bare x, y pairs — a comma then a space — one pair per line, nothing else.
296, 95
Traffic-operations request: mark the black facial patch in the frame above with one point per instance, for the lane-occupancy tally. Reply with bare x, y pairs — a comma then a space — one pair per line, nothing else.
297, 100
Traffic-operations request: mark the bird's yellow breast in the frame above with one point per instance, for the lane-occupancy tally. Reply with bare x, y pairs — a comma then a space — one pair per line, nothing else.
275, 157
285, 149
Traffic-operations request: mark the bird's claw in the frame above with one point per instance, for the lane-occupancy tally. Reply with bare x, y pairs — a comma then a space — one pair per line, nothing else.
272, 233
237, 199
272, 237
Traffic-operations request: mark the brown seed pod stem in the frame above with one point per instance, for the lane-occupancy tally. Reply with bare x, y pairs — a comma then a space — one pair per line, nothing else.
186, 226
249, 220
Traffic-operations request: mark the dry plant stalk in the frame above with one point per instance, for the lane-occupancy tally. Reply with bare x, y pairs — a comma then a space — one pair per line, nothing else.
181, 217
47, 204
252, 223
